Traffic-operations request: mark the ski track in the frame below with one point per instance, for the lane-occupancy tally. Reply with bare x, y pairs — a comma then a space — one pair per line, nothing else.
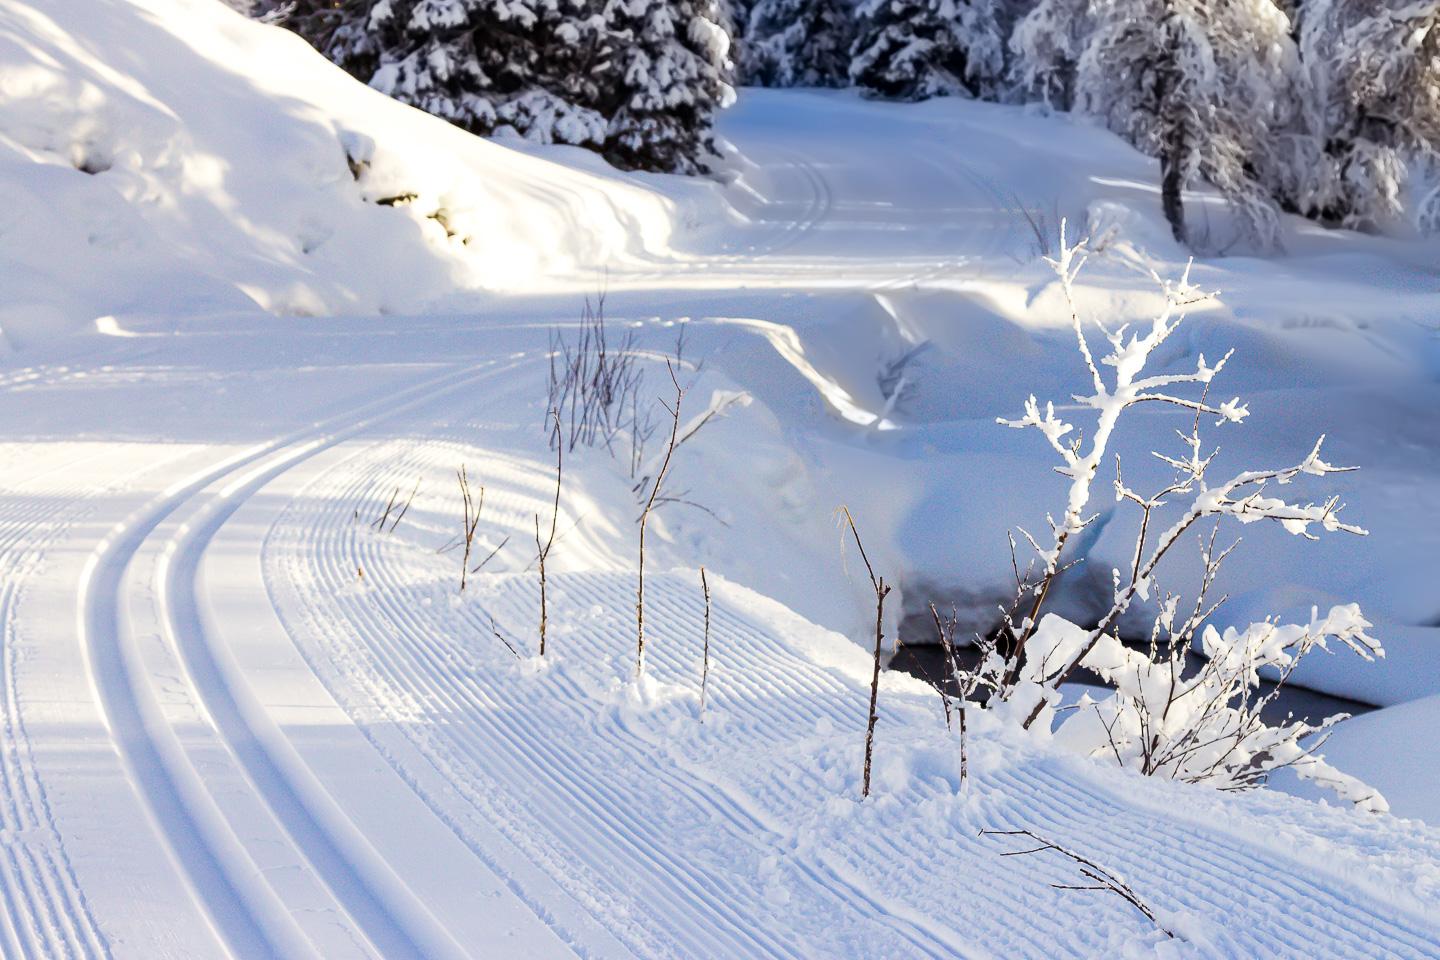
468, 750
249, 917
584, 809
820, 201
408, 663
589, 810
1357, 928
583, 785
46, 914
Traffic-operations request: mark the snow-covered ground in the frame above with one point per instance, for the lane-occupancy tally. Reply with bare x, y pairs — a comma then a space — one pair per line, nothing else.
240, 721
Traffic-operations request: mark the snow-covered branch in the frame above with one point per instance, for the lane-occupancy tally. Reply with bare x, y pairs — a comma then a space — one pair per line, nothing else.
1165, 717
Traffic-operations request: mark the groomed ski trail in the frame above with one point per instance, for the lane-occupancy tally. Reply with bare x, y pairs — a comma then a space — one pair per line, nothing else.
584, 805
212, 828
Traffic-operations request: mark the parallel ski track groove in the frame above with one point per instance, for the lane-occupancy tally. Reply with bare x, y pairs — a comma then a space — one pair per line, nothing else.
333, 546
127, 702
408, 658
711, 893
47, 913
1285, 887
818, 206
396, 640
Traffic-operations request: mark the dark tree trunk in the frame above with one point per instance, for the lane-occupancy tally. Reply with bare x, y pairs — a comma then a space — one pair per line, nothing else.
1172, 142
1172, 183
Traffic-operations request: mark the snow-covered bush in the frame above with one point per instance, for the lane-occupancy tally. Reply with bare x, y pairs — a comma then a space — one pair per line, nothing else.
916, 49
1164, 718
799, 43
1376, 75
1212, 90
638, 80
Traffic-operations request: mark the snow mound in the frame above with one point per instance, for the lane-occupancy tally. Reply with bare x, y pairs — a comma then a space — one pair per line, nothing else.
171, 157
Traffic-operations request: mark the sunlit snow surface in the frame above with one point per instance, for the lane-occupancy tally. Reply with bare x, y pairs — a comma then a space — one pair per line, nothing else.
240, 721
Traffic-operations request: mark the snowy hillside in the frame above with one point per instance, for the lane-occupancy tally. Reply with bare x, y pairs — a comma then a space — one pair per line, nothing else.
176, 146
272, 681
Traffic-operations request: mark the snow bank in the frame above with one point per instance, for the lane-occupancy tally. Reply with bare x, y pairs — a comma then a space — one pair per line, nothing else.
1394, 750
172, 157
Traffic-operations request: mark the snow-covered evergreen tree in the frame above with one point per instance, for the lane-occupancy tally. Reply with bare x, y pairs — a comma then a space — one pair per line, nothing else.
915, 49
671, 73
636, 79
481, 64
1210, 88
1045, 45
1376, 70
799, 43
734, 19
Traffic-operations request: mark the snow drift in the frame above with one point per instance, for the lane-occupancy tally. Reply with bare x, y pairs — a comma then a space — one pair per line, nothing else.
173, 145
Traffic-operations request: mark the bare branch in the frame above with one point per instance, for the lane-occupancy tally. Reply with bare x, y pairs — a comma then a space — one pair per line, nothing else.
1103, 879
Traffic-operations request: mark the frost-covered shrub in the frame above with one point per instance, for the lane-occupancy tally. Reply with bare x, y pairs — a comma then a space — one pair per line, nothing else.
916, 49
638, 80
1202, 724
1196, 724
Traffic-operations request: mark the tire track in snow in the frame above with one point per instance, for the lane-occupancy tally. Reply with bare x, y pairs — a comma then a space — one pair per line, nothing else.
246, 915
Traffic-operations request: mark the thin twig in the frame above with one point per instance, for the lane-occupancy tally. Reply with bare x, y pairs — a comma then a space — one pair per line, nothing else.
489, 556
882, 590
499, 636
645, 518
379, 522
705, 654
470, 521
1104, 879
406, 509
542, 551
